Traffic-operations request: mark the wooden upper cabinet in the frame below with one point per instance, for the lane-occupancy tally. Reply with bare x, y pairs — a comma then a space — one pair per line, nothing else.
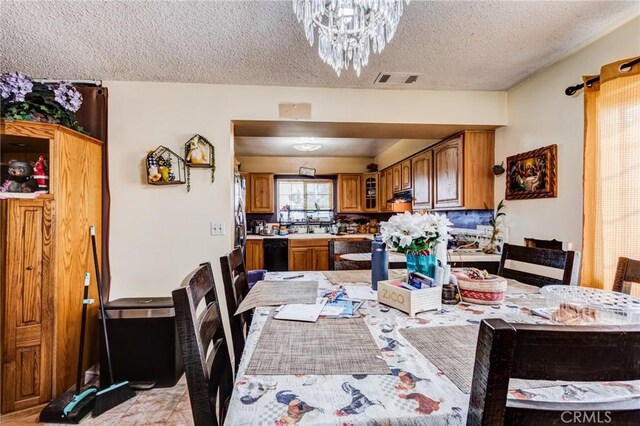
370, 192
396, 178
405, 175
261, 193
462, 171
382, 191
479, 156
389, 193
422, 172
448, 173
349, 193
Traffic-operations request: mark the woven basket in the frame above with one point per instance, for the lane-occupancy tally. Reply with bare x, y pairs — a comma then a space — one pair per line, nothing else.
489, 291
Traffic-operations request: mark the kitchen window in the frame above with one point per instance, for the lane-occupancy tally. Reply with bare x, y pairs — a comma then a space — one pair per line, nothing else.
302, 199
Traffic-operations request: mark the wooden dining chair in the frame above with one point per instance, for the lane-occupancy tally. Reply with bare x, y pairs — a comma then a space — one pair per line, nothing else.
566, 261
337, 248
548, 244
204, 348
550, 352
627, 274
236, 288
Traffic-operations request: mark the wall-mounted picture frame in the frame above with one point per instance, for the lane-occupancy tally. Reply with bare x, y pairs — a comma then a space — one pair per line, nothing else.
307, 171
532, 174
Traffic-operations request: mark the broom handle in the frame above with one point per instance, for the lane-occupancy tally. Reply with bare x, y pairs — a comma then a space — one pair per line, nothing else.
83, 326
102, 310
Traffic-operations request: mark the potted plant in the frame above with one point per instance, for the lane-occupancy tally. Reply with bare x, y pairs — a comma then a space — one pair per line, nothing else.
491, 245
417, 236
24, 99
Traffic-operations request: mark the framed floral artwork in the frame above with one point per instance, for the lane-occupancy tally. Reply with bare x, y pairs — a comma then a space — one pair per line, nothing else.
532, 174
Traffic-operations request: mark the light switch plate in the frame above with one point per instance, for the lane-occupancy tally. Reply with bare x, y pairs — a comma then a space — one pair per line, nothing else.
217, 228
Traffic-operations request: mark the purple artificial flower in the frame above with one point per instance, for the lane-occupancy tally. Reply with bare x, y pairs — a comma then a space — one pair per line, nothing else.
68, 96
16, 84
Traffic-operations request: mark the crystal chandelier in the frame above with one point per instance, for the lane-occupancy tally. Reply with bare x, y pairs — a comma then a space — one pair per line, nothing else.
349, 29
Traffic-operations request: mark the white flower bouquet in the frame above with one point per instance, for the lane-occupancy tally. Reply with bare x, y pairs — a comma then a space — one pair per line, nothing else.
417, 234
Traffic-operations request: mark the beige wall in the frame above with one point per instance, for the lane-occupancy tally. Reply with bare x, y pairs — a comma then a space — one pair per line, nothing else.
401, 150
160, 233
541, 114
291, 165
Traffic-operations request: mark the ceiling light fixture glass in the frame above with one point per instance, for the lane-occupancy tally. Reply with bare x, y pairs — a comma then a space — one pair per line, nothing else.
307, 146
349, 29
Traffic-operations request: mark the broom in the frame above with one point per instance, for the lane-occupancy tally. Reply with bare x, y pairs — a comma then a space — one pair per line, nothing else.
73, 405
116, 393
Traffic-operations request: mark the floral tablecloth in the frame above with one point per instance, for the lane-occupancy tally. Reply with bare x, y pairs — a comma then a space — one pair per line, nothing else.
415, 393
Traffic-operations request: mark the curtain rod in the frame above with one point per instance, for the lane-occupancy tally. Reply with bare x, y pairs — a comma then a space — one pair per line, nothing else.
569, 91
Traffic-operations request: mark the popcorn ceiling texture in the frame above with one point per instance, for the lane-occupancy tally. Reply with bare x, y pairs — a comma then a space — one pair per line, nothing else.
454, 45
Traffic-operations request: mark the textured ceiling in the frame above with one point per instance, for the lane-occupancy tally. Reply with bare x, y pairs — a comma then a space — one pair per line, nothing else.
477, 45
331, 147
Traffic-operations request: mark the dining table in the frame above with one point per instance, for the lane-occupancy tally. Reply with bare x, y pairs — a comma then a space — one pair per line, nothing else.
416, 390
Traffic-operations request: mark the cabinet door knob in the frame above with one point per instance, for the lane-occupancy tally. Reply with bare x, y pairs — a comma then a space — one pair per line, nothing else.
29, 268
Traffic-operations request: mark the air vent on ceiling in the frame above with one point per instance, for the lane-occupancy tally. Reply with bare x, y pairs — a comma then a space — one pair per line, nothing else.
395, 78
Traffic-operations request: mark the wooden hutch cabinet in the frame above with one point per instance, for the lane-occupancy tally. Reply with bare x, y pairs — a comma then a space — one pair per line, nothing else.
45, 254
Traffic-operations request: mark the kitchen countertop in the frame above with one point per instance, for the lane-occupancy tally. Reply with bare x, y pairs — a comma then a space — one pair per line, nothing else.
454, 256
309, 236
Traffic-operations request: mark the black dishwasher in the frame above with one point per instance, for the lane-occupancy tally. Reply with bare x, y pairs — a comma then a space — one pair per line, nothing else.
276, 254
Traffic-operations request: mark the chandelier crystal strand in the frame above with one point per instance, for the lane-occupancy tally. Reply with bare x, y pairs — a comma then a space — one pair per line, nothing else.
348, 30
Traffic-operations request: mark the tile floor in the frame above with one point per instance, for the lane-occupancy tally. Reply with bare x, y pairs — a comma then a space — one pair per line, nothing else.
162, 406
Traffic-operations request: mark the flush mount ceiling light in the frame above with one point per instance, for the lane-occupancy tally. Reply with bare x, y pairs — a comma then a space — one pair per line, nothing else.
349, 29
307, 146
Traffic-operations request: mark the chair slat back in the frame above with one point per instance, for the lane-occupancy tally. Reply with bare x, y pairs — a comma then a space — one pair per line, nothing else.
338, 248
546, 352
236, 289
209, 377
627, 273
567, 261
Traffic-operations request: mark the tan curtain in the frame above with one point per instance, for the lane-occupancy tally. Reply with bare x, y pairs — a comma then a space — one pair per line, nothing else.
611, 173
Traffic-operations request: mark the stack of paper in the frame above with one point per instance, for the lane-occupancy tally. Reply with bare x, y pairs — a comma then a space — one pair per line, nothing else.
300, 311
361, 292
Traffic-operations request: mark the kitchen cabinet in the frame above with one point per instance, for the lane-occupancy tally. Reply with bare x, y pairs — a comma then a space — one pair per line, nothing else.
309, 255
422, 172
396, 179
448, 173
370, 193
382, 191
45, 255
349, 193
405, 175
389, 195
261, 193
254, 253
462, 171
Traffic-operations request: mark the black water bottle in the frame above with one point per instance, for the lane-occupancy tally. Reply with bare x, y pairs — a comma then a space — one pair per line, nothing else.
379, 262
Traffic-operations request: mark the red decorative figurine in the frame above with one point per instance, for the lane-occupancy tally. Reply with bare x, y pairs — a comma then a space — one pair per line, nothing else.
40, 173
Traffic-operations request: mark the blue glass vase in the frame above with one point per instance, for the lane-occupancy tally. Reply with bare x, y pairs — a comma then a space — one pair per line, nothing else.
421, 263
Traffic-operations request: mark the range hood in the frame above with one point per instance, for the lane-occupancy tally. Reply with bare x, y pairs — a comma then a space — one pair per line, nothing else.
402, 197
401, 202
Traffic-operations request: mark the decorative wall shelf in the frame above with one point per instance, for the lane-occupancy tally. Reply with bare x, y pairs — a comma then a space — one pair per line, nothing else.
165, 167
199, 153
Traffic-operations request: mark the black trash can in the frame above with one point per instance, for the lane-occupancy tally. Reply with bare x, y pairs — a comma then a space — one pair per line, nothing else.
143, 339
